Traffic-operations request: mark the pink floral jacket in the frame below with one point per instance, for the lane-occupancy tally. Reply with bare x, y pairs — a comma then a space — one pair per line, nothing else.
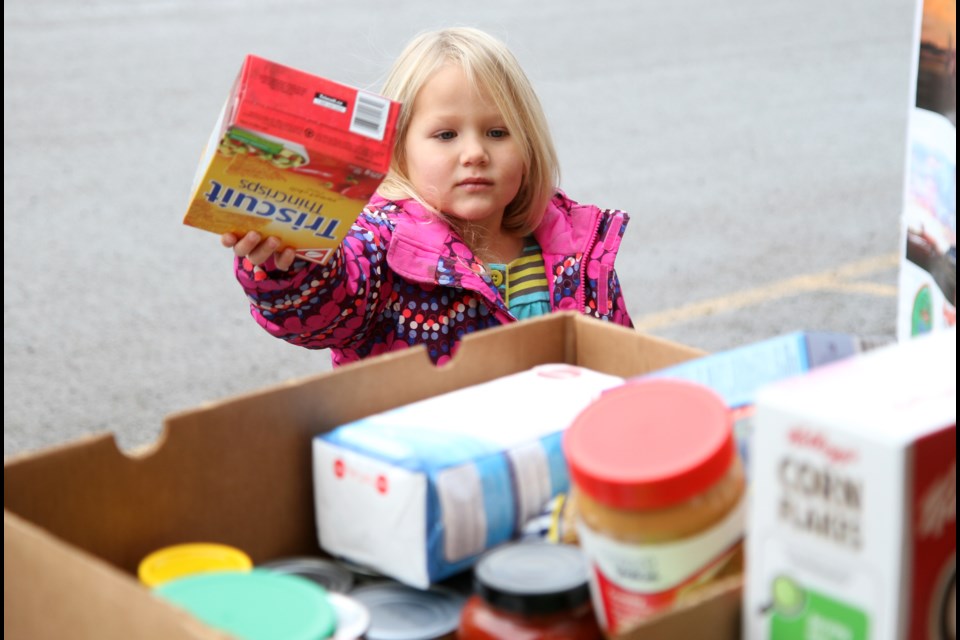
402, 277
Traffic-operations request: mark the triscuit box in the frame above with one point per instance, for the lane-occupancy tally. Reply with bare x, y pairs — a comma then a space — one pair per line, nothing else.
293, 155
80, 516
418, 492
852, 525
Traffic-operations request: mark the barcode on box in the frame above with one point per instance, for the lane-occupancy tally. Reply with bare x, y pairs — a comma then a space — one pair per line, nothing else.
370, 115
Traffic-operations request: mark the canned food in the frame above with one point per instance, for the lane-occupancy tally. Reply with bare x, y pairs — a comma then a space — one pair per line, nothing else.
326, 573
399, 612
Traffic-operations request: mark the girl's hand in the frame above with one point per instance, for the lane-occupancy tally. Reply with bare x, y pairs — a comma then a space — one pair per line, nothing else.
257, 250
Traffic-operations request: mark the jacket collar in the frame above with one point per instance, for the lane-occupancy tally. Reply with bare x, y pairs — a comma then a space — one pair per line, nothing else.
425, 249
567, 228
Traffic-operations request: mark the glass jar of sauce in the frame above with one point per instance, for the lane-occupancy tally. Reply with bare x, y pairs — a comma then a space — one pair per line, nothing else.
531, 590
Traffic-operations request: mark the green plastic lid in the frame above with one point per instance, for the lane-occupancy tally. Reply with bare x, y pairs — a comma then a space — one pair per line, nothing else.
257, 605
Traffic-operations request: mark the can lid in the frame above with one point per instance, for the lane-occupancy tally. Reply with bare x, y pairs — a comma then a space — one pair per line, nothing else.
353, 619
179, 560
399, 612
255, 605
533, 577
650, 444
326, 573
361, 571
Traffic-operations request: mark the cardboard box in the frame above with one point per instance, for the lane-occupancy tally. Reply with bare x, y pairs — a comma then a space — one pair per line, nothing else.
78, 518
292, 155
852, 526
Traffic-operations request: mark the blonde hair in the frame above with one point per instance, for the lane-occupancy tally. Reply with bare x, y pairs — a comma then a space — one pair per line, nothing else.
492, 69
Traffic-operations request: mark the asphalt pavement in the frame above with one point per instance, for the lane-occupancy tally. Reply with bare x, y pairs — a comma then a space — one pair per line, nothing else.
758, 145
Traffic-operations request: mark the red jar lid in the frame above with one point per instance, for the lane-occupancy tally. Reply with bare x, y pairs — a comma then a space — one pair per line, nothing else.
650, 444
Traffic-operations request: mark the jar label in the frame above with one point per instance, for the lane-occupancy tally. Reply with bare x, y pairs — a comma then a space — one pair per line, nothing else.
630, 582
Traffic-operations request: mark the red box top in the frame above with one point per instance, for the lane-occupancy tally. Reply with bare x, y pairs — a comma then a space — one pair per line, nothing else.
326, 117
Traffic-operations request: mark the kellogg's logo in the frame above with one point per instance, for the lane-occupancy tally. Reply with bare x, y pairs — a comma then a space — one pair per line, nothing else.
800, 437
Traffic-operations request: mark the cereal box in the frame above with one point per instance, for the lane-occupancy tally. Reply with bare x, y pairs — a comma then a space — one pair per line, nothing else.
292, 155
852, 523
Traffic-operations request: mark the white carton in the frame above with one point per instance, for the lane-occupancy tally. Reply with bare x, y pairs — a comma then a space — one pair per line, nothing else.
419, 492
852, 521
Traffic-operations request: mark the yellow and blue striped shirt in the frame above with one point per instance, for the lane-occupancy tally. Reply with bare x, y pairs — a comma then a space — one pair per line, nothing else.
523, 282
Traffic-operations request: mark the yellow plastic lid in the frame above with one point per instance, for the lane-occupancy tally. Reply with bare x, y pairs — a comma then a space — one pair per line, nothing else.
181, 560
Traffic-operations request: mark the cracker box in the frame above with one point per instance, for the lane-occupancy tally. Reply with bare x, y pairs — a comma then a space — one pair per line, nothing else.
852, 525
292, 155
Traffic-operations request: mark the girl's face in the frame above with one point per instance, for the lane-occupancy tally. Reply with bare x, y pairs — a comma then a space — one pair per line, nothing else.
460, 157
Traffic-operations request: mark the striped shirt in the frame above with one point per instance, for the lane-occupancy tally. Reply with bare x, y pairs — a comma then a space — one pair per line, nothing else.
523, 282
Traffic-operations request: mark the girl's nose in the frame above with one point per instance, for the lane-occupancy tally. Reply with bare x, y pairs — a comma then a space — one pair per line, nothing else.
473, 152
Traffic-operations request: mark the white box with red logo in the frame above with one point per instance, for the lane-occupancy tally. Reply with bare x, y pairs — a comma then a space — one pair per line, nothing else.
852, 520
419, 492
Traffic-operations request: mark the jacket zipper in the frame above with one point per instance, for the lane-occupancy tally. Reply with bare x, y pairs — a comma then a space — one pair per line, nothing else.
582, 288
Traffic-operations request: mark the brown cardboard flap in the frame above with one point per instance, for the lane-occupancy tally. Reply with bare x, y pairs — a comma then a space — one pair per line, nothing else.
53, 590
624, 352
714, 613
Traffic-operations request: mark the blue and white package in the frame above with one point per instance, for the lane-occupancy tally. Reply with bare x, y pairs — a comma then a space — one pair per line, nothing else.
419, 492
737, 374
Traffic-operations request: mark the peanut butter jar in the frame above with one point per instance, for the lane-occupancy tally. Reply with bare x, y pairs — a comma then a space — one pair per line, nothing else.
659, 494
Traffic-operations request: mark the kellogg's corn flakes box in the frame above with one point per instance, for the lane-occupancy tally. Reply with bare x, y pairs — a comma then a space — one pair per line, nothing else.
852, 528
292, 155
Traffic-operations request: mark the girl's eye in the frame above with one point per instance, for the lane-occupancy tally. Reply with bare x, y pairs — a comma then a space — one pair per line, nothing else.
498, 133
446, 135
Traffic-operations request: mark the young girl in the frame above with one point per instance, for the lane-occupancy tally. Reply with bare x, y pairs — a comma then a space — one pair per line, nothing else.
467, 230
